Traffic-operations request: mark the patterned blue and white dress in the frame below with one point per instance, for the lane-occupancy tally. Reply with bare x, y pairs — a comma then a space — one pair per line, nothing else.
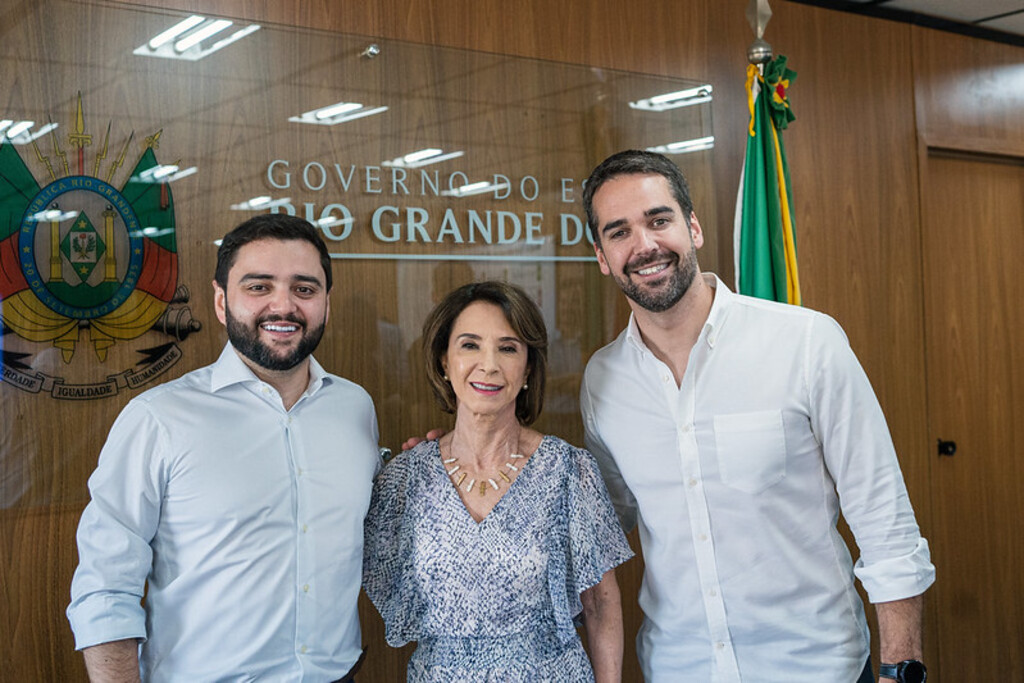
494, 600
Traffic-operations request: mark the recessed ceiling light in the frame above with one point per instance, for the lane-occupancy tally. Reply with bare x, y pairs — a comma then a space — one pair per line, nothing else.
423, 157
674, 100
685, 146
185, 39
334, 114
479, 187
173, 32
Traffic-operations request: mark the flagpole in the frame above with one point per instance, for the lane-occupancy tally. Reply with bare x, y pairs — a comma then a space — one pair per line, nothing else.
758, 14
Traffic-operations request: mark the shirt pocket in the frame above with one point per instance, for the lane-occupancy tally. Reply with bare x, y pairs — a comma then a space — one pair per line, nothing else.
751, 449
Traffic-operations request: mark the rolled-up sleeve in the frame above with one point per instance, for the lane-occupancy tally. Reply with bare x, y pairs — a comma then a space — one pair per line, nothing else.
894, 560
114, 534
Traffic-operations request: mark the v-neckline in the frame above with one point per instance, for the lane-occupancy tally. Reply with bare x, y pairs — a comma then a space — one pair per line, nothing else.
453, 490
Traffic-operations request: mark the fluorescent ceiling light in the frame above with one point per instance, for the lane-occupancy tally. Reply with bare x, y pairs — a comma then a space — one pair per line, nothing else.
674, 100
163, 174
685, 146
183, 173
423, 157
175, 31
18, 131
337, 109
259, 203
333, 221
153, 231
337, 113
196, 37
475, 188
19, 128
237, 35
184, 39
52, 216
413, 157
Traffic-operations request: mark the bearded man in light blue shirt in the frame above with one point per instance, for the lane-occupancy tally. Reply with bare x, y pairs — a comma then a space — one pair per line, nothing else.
234, 496
733, 431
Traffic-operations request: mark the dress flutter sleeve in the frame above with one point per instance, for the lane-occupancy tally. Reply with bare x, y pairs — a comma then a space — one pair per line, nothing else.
388, 552
595, 542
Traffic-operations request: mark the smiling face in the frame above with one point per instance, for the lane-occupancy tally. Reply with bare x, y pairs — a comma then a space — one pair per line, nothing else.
275, 305
486, 362
646, 242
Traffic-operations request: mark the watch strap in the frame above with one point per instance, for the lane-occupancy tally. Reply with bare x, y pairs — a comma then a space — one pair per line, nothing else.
888, 670
907, 671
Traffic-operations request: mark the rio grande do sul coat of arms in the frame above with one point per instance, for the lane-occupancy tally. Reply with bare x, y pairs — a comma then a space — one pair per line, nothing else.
86, 265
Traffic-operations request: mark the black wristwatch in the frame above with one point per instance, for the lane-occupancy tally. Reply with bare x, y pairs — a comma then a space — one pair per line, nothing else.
907, 671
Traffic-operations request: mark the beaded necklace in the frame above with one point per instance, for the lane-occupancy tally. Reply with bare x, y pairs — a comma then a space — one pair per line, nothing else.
452, 466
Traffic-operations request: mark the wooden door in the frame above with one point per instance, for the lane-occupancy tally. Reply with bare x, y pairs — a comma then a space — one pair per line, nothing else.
973, 250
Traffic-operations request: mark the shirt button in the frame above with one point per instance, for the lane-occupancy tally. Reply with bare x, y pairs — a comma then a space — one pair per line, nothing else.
664, 378
299, 472
289, 420
303, 649
703, 537
719, 645
686, 428
712, 592
692, 482
305, 589
266, 389
305, 528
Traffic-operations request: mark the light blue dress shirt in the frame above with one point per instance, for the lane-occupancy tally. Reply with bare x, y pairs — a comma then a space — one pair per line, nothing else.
736, 478
246, 520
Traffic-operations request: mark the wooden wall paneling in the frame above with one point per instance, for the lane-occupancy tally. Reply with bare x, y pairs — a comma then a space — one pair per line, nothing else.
968, 96
37, 554
968, 90
851, 150
973, 213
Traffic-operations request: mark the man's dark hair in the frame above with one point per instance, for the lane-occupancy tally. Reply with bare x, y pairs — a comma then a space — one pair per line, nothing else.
271, 226
635, 162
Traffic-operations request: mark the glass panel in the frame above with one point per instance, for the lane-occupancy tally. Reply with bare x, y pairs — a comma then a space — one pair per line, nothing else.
123, 163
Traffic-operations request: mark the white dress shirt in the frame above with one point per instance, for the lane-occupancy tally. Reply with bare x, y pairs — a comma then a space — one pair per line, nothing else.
736, 478
246, 520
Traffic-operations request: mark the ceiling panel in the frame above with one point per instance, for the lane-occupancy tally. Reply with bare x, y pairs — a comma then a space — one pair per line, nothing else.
998, 20
958, 10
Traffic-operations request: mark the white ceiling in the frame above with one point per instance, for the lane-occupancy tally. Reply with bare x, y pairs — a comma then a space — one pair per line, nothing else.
984, 18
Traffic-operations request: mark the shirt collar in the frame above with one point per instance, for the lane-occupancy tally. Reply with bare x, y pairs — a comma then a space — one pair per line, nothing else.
720, 307
723, 301
231, 369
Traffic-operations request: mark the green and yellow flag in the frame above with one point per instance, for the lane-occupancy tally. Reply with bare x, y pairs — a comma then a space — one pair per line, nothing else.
765, 236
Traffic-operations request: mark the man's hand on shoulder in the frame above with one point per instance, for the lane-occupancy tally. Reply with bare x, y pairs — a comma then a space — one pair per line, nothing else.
430, 436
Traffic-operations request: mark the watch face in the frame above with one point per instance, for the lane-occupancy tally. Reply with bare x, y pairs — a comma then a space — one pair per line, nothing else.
911, 671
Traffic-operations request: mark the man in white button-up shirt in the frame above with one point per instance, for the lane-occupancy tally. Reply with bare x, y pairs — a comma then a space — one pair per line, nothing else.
237, 492
733, 430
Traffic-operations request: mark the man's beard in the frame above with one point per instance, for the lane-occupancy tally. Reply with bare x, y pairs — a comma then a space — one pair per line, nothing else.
668, 293
247, 342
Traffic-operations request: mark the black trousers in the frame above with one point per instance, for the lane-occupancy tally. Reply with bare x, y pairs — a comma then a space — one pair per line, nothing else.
350, 677
867, 676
